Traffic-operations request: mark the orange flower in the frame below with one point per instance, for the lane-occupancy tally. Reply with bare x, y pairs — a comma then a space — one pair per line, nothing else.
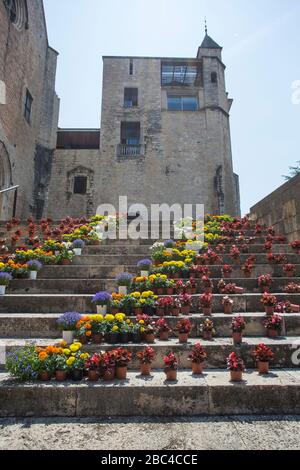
88, 333
85, 318
43, 356
88, 326
63, 344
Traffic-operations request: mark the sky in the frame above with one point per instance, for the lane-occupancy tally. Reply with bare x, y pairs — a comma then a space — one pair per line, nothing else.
261, 44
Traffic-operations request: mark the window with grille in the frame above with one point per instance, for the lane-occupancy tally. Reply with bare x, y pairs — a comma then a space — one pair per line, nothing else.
130, 133
80, 184
28, 106
179, 74
182, 103
130, 97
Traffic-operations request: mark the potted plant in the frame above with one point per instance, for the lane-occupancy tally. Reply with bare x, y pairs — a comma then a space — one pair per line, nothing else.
171, 365
238, 325
269, 301
169, 245
61, 367
247, 269
68, 324
263, 355
183, 328
226, 271
287, 307
227, 303
273, 325
197, 358
136, 333
108, 365
102, 301
206, 304
186, 303
5, 279
292, 288
268, 246
296, 246
207, 330
221, 286
124, 281
190, 287
175, 306
112, 332
123, 358
78, 246
144, 265
264, 282
98, 328
124, 330
149, 331
289, 270
76, 362
236, 366
163, 329
146, 358
34, 266
207, 285
235, 254
92, 365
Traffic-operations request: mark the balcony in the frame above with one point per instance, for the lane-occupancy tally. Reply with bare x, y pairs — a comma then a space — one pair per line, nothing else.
126, 150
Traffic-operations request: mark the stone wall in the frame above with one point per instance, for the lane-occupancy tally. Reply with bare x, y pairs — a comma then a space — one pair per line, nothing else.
281, 209
26, 62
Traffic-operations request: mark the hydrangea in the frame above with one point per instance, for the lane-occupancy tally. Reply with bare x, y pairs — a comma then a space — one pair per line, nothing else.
78, 244
101, 298
144, 263
68, 321
124, 279
34, 265
5, 278
169, 243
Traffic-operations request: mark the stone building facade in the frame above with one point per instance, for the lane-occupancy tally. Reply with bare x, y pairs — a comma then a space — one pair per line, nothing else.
165, 138
29, 106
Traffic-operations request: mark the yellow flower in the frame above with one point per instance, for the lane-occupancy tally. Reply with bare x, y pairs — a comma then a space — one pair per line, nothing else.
67, 352
120, 317
136, 295
115, 328
78, 344
109, 317
142, 330
84, 356
74, 348
141, 322
70, 361
142, 301
97, 318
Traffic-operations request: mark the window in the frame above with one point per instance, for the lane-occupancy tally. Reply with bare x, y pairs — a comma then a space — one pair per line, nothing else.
214, 77
182, 103
80, 184
17, 13
179, 74
28, 106
131, 67
130, 133
130, 97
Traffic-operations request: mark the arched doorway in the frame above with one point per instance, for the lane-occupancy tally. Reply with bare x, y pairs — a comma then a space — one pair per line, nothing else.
5, 182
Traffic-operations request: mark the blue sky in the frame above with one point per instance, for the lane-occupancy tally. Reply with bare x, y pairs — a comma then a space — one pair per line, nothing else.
261, 41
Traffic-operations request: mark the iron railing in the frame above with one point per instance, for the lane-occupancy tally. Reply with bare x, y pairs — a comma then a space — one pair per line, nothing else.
125, 150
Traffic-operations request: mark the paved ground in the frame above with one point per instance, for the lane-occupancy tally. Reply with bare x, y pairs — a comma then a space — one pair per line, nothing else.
239, 432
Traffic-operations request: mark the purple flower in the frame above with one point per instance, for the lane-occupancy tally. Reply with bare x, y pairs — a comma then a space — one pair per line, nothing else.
68, 321
5, 278
169, 243
144, 263
124, 279
34, 265
101, 298
78, 244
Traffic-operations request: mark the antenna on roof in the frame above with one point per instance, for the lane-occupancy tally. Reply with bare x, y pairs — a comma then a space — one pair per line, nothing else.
205, 25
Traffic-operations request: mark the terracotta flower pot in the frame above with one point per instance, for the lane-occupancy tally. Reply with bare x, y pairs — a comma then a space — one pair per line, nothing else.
197, 368
164, 336
160, 312
185, 310
236, 261
150, 339
169, 291
138, 311
265, 289
228, 309
97, 339
175, 312
237, 338
269, 310
227, 275
77, 375
109, 375
295, 308
66, 262
171, 375
247, 275
207, 311
183, 337
145, 369
93, 375
44, 376
61, 375
121, 373
272, 333
160, 291
236, 375
208, 290
263, 367
239, 290
290, 274
207, 335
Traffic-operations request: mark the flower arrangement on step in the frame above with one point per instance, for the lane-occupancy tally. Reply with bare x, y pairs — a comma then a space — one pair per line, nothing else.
77, 246
124, 281
296, 246
263, 355
186, 303
197, 271
17, 270
264, 282
99, 327
145, 266
160, 283
164, 306
276, 259
148, 328
122, 359
102, 300
207, 330
269, 302
92, 366
34, 266
235, 254
238, 325
173, 269
197, 358
227, 303
45, 257
163, 329
273, 325
67, 323
171, 366
292, 288
190, 287
247, 268
65, 256
115, 302
268, 245
289, 270
207, 285
212, 258
227, 271
146, 358
205, 302
236, 366
183, 329
229, 288
5, 279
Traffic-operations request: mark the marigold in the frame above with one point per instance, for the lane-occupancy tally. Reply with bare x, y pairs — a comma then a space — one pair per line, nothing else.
70, 361
66, 352
43, 356
88, 333
109, 317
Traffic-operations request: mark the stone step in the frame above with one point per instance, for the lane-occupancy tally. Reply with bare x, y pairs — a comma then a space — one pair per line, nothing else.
43, 325
284, 348
210, 394
85, 286
57, 303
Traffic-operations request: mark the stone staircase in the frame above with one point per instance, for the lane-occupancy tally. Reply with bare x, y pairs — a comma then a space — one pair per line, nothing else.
28, 315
